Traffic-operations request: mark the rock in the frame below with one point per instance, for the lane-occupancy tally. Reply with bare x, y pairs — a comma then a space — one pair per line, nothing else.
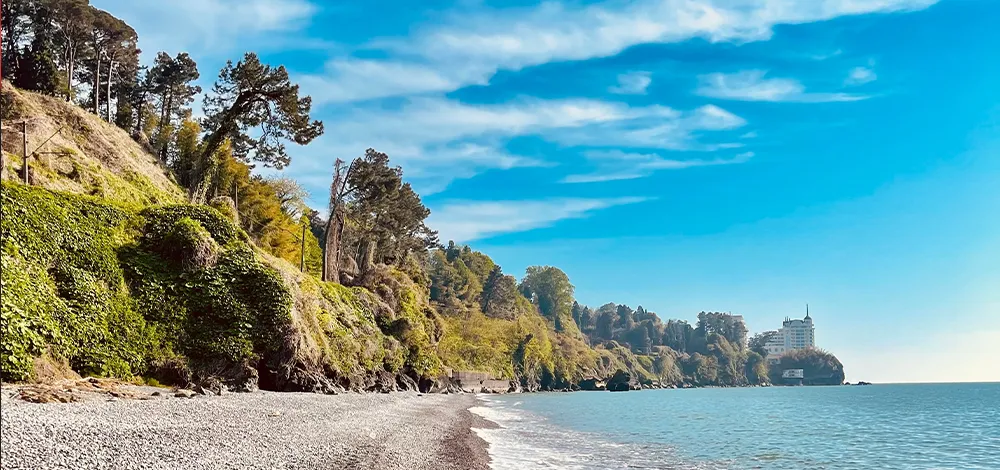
212, 386
406, 383
592, 384
155, 394
620, 382
184, 393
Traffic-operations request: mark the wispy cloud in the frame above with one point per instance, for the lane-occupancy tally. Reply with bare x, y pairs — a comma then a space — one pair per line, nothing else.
753, 85
617, 165
209, 28
469, 48
465, 221
861, 75
828, 55
668, 130
439, 140
632, 83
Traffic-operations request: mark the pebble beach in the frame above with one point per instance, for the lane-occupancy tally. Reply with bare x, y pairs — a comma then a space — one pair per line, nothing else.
262, 430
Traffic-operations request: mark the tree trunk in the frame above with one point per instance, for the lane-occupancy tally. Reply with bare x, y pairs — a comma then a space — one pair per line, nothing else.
107, 98
97, 88
164, 120
140, 114
215, 140
331, 250
366, 262
72, 69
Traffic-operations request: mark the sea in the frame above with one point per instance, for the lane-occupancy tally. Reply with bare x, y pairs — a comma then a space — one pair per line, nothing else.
905, 426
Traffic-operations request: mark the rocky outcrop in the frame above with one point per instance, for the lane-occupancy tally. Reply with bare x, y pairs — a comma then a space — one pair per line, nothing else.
622, 381
592, 384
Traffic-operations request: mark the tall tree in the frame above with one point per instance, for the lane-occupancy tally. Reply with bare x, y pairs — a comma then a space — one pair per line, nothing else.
112, 45
72, 22
187, 143
37, 66
256, 107
387, 214
17, 27
758, 342
334, 232
550, 289
171, 79
499, 296
291, 196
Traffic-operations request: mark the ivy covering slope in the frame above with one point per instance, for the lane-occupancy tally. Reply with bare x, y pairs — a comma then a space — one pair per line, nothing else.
177, 292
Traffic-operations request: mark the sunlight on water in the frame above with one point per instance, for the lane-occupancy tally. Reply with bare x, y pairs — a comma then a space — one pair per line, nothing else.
946, 426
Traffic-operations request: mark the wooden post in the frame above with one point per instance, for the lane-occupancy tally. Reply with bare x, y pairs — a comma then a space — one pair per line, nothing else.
302, 260
24, 150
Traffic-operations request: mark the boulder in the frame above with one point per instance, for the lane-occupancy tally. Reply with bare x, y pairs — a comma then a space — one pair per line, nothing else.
211, 386
592, 384
184, 393
620, 382
406, 383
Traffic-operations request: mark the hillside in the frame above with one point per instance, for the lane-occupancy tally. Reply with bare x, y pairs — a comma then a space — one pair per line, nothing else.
107, 272
100, 275
85, 155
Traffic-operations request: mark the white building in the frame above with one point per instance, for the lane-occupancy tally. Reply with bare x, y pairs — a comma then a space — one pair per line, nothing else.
793, 335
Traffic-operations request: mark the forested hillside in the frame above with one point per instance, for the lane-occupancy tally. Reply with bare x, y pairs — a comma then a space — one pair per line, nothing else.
146, 244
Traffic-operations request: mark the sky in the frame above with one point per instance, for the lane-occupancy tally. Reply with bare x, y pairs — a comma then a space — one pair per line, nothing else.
748, 156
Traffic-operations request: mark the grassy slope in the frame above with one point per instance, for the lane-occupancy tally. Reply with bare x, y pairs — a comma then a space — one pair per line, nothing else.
89, 156
99, 273
96, 278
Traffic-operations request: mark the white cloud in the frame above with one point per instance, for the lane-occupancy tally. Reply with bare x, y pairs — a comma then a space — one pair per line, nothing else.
438, 140
830, 55
752, 85
749, 135
468, 48
617, 165
209, 27
349, 80
669, 130
632, 83
860, 76
466, 221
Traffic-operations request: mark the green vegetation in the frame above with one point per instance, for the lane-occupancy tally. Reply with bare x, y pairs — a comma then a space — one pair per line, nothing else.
110, 270
818, 367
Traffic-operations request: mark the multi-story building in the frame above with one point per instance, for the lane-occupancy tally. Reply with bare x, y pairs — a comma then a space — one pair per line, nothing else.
793, 335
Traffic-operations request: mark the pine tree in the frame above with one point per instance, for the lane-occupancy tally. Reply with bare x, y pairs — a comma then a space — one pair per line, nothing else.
256, 107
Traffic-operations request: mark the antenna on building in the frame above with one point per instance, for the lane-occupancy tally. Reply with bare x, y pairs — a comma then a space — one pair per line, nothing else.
807, 312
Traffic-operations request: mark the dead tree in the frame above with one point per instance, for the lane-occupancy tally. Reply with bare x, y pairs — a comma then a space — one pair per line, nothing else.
335, 223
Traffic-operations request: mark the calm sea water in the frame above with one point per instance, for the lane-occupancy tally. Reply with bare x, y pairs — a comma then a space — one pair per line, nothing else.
926, 426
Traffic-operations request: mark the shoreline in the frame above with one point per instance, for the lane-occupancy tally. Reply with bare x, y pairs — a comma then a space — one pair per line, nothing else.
247, 430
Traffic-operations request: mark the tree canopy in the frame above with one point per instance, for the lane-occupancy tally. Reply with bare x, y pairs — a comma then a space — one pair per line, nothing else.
549, 288
257, 108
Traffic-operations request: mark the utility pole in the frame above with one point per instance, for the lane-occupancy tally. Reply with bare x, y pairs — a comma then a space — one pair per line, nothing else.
24, 150
302, 260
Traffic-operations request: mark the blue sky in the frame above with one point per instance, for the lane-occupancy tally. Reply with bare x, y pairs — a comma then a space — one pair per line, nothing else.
737, 155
